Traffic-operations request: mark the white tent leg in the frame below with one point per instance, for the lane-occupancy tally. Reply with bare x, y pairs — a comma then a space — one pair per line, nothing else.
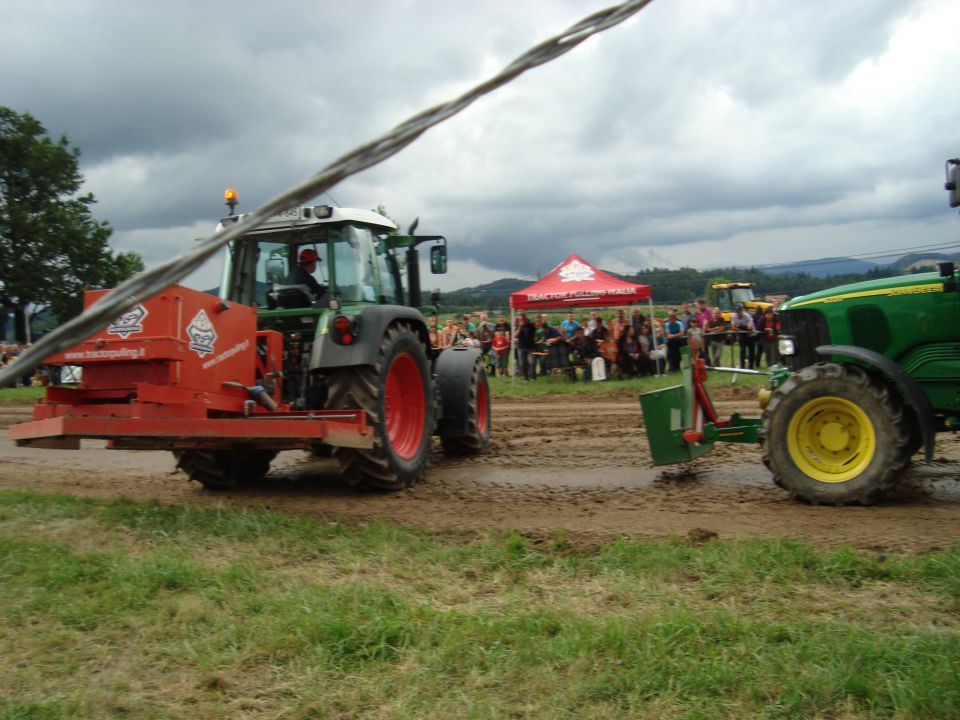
653, 332
513, 345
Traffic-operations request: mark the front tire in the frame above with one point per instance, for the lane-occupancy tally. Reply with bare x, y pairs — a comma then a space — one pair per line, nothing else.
833, 435
396, 394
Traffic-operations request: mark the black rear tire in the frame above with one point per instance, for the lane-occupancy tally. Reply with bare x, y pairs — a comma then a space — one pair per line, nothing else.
478, 417
397, 395
834, 435
224, 469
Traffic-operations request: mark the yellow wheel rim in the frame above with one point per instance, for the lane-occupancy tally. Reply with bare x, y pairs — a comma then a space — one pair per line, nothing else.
831, 440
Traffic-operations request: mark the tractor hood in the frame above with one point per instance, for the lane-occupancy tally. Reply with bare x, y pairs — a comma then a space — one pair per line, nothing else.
885, 287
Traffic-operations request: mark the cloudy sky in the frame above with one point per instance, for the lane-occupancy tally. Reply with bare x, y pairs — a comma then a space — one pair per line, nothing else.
700, 133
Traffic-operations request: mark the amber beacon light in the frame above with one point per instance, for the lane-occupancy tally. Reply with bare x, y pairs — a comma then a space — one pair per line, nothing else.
230, 196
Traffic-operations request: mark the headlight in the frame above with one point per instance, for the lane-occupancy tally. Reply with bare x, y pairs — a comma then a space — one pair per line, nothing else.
785, 346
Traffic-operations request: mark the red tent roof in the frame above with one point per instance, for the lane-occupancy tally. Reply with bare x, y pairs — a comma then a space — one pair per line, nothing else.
577, 283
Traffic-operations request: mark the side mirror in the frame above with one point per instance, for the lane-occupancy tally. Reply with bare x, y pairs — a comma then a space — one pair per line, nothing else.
438, 259
276, 270
952, 185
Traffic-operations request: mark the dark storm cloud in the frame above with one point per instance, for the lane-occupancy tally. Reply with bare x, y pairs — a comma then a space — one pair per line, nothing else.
789, 162
187, 98
157, 78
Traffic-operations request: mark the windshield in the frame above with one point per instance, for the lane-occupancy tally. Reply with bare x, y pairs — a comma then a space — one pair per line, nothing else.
741, 295
729, 298
351, 262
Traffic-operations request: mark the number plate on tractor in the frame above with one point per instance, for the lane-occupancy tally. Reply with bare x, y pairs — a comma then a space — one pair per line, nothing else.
285, 215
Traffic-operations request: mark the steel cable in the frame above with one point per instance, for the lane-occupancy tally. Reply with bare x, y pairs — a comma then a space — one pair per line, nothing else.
134, 290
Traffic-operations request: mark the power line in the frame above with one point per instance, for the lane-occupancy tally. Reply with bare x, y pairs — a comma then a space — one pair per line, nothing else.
932, 247
865, 256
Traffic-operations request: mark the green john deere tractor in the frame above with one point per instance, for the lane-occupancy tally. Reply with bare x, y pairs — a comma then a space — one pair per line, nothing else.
872, 374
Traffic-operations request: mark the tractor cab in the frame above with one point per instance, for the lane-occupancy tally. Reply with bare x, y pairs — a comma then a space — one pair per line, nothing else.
306, 261
326, 284
314, 258
729, 296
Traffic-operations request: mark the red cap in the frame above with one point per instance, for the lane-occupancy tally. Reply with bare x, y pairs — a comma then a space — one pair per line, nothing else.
308, 256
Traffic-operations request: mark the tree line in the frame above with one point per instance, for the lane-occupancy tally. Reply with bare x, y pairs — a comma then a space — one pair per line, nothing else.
680, 285
51, 246
685, 284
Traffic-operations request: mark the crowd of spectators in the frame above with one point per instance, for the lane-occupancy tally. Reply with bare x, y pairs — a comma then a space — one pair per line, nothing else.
628, 346
479, 331
543, 345
9, 353
631, 346
754, 336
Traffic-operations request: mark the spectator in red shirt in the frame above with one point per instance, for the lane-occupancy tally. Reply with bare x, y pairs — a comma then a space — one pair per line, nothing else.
501, 352
770, 335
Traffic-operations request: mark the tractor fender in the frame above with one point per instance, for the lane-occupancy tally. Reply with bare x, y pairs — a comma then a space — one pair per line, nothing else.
453, 370
371, 325
905, 382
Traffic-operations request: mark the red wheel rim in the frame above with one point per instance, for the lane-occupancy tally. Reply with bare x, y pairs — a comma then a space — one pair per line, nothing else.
483, 408
404, 407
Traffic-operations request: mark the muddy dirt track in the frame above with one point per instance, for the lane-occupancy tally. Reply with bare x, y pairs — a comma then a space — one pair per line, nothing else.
572, 463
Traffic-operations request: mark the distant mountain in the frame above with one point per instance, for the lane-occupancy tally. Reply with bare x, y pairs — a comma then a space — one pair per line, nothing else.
825, 267
918, 261
497, 288
492, 295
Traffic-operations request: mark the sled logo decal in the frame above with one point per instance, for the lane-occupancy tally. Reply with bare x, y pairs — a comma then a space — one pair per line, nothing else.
576, 271
202, 335
129, 323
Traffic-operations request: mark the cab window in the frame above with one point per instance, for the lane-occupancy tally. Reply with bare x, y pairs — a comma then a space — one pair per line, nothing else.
354, 263
391, 289
273, 264
742, 295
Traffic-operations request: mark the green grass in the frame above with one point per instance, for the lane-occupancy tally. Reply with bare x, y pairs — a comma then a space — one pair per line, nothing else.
20, 394
505, 386
111, 609
508, 387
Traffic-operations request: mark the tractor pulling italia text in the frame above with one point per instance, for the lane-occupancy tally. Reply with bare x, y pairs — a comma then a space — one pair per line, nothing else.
338, 362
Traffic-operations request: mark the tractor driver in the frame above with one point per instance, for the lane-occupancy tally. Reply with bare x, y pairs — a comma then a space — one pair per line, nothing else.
303, 273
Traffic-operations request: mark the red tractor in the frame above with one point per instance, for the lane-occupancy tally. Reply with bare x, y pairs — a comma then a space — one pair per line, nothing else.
312, 343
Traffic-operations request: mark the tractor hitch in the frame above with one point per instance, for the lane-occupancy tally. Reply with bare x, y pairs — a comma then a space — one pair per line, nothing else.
681, 421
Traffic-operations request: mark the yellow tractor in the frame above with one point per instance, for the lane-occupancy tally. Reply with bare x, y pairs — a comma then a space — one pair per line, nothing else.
730, 295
